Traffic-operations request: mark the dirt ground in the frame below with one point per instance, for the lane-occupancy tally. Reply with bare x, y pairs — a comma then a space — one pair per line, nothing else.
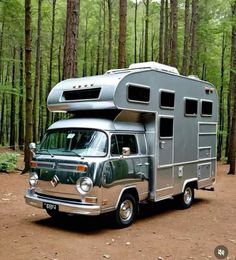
160, 232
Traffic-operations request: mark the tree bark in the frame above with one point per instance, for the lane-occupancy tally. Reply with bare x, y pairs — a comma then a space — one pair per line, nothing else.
122, 33
21, 122
99, 39
166, 34
174, 14
13, 104
28, 103
85, 45
104, 36
135, 30
70, 56
161, 31
49, 81
221, 102
193, 35
232, 142
109, 4
184, 69
37, 76
146, 3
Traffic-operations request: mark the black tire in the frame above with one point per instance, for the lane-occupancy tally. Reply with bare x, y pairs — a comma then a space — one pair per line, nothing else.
185, 199
126, 211
55, 214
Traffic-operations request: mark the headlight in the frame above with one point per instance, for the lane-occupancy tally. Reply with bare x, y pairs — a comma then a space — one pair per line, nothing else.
33, 179
84, 185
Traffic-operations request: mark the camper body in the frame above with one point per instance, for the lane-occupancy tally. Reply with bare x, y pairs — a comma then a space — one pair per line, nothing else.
140, 134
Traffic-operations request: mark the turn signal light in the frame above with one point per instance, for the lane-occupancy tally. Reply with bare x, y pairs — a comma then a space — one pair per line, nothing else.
81, 168
33, 164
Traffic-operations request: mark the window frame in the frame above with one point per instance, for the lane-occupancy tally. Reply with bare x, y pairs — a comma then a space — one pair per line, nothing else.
190, 99
208, 101
137, 86
124, 134
166, 91
166, 137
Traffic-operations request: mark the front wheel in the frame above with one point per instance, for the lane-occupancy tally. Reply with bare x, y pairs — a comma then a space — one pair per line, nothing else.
186, 198
126, 211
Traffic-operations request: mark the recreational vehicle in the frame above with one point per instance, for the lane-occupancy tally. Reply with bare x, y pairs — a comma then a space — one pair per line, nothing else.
141, 134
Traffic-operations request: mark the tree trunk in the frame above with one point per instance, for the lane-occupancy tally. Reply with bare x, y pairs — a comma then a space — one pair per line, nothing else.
85, 45
174, 13
13, 104
184, 69
232, 142
135, 30
21, 121
28, 103
193, 35
70, 56
99, 39
122, 33
109, 4
49, 82
146, 3
104, 36
166, 35
37, 76
2, 120
161, 31
1, 50
221, 103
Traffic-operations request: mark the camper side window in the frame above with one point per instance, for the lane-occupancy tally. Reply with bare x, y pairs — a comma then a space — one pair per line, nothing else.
120, 141
191, 107
166, 127
206, 108
140, 94
167, 99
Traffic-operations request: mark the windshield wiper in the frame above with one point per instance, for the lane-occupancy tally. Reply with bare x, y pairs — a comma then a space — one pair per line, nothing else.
72, 151
46, 150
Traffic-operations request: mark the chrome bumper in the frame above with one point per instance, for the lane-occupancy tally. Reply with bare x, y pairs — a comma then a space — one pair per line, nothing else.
90, 210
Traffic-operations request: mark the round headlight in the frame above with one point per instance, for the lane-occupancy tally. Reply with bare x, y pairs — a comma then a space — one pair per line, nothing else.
33, 179
84, 185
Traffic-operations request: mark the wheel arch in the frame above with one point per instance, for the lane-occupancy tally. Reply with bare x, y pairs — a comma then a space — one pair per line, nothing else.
129, 190
193, 183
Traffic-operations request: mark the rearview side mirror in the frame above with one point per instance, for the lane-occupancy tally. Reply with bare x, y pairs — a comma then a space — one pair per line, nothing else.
32, 147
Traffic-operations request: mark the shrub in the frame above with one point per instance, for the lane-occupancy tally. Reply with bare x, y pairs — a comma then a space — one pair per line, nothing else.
8, 162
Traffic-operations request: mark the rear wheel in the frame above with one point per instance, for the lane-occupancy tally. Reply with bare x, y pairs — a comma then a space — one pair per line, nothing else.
186, 198
126, 211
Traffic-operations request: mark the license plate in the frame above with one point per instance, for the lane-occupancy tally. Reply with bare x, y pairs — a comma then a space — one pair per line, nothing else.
50, 206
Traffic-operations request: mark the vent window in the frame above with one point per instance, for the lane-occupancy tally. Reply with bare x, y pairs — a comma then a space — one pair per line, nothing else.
206, 108
138, 94
167, 100
191, 107
82, 94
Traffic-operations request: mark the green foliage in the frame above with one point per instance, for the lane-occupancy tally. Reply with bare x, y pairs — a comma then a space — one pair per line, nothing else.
8, 162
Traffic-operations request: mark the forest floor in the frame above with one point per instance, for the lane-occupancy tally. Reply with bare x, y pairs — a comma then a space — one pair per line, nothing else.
160, 232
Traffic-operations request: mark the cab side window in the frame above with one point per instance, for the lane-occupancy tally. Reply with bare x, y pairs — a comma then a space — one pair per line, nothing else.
120, 141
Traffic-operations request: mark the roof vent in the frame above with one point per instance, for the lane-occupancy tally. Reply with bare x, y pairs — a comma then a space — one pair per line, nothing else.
154, 65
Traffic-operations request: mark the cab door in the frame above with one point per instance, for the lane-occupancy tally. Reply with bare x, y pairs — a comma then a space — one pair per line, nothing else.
122, 171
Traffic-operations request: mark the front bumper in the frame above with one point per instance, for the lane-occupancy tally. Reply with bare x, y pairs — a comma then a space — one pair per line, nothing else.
73, 208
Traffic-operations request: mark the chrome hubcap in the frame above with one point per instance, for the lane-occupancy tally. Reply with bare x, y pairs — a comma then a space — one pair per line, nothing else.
126, 210
188, 196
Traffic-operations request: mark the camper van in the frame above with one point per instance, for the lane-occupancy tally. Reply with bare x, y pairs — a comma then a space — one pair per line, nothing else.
136, 135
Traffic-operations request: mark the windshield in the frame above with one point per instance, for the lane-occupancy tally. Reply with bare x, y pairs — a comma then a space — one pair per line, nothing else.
82, 142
